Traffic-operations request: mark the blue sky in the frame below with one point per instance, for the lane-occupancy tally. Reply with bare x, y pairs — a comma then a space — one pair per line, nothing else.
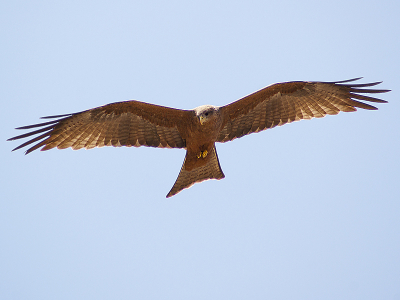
309, 210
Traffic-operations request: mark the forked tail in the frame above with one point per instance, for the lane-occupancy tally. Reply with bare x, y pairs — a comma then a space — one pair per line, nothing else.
211, 169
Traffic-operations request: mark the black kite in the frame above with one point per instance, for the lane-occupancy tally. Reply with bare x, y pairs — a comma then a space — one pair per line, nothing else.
134, 123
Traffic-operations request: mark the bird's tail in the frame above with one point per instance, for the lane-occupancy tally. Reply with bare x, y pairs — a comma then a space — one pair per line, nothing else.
210, 169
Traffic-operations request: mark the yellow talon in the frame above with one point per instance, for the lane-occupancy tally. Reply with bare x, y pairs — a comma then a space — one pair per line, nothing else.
202, 154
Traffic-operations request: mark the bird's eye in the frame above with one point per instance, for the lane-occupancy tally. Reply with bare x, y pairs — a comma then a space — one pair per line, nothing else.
206, 114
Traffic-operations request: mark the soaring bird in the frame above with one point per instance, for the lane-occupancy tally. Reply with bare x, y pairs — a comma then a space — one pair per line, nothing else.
135, 123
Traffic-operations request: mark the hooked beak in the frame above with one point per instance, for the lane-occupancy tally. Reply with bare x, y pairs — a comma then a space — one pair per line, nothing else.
202, 119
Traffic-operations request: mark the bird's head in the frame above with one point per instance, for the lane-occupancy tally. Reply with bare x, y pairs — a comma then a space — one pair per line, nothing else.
206, 113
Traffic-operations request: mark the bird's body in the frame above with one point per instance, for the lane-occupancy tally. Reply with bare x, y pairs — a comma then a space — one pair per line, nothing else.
202, 135
135, 123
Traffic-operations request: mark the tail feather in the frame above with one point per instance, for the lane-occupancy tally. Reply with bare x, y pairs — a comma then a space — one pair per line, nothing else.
210, 170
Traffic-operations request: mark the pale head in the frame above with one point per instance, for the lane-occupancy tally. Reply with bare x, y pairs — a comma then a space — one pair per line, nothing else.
206, 113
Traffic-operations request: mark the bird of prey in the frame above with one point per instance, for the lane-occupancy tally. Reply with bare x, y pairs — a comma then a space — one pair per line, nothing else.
135, 123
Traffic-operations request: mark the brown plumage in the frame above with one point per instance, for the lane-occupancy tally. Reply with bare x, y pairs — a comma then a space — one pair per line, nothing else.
134, 123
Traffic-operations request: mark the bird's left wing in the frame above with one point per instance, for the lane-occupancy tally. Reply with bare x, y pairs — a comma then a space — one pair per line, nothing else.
283, 103
128, 123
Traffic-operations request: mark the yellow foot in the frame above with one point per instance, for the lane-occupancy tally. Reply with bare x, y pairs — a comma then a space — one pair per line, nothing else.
202, 154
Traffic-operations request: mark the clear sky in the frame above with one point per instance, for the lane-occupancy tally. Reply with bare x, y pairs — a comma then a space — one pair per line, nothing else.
309, 210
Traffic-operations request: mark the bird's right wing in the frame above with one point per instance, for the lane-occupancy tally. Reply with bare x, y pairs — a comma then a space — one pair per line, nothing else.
128, 123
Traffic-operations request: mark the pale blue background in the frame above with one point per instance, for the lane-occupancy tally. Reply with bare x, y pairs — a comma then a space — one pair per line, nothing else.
310, 210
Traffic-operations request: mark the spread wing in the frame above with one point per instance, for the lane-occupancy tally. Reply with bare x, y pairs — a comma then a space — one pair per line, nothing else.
287, 102
129, 123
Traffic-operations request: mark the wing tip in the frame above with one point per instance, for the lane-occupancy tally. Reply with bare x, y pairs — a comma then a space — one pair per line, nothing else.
56, 116
344, 81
